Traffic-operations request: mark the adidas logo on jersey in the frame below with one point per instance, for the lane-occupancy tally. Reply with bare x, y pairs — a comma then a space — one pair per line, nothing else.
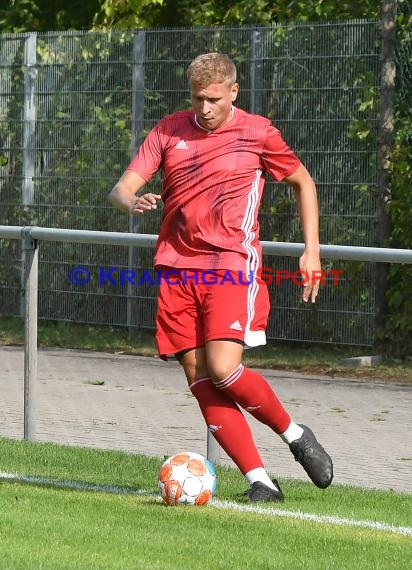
236, 326
181, 145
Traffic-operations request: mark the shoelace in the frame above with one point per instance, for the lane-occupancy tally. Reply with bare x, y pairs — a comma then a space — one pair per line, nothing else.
302, 453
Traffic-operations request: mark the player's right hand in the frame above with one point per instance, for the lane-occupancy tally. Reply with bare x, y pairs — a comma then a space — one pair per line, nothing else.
144, 203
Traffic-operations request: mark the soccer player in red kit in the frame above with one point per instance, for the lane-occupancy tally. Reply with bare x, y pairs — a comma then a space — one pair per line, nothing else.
211, 301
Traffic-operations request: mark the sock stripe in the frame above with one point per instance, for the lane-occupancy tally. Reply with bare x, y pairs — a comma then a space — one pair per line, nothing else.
199, 381
231, 379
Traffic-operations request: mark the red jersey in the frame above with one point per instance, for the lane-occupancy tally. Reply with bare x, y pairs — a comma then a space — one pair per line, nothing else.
212, 188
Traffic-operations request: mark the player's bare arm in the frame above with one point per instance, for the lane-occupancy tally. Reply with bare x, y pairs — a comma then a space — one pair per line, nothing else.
124, 195
309, 262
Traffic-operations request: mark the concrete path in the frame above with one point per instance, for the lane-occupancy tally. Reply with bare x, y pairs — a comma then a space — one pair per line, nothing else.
142, 405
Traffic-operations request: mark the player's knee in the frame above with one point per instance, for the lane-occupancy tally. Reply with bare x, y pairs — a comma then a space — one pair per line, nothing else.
218, 371
222, 358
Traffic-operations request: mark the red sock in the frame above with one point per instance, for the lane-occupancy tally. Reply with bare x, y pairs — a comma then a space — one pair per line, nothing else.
253, 392
227, 424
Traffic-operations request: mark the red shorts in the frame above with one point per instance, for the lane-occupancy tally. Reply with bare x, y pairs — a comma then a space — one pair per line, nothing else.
196, 306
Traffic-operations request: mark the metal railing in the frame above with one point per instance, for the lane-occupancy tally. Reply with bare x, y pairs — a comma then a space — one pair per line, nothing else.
31, 235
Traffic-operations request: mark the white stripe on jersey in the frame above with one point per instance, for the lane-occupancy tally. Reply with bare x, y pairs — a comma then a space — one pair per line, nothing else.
252, 263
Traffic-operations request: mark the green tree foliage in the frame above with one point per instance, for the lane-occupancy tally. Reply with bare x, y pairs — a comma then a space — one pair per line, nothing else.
46, 15
19, 16
169, 13
398, 330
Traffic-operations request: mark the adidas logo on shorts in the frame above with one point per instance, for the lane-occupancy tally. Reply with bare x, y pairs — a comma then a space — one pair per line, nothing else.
236, 326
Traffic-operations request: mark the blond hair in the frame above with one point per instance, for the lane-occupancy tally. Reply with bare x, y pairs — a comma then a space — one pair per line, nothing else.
211, 68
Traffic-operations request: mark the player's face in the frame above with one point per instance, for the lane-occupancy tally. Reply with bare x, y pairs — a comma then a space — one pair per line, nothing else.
213, 104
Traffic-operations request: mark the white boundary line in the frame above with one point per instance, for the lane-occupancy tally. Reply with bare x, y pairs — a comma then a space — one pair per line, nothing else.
323, 519
227, 505
77, 485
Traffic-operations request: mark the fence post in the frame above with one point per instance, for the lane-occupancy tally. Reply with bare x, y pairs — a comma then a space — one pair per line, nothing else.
134, 262
256, 73
29, 130
30, 274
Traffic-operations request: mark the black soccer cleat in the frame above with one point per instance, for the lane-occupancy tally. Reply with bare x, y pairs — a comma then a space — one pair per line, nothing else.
259, 492
313, 458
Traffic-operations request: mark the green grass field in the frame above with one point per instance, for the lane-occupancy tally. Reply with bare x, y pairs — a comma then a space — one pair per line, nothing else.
78, 508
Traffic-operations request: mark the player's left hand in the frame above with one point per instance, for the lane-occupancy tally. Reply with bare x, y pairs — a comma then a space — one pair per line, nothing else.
309, 264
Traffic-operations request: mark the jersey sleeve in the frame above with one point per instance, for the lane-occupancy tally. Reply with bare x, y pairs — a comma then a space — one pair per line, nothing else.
148, 158
278, 159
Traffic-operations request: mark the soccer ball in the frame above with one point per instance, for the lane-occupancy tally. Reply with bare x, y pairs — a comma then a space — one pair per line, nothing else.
187, 477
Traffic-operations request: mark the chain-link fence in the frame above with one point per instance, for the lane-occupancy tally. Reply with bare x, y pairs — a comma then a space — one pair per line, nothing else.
404, 53
74, 107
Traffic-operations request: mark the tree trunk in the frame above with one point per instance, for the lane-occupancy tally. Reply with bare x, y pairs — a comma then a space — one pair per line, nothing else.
385, 144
